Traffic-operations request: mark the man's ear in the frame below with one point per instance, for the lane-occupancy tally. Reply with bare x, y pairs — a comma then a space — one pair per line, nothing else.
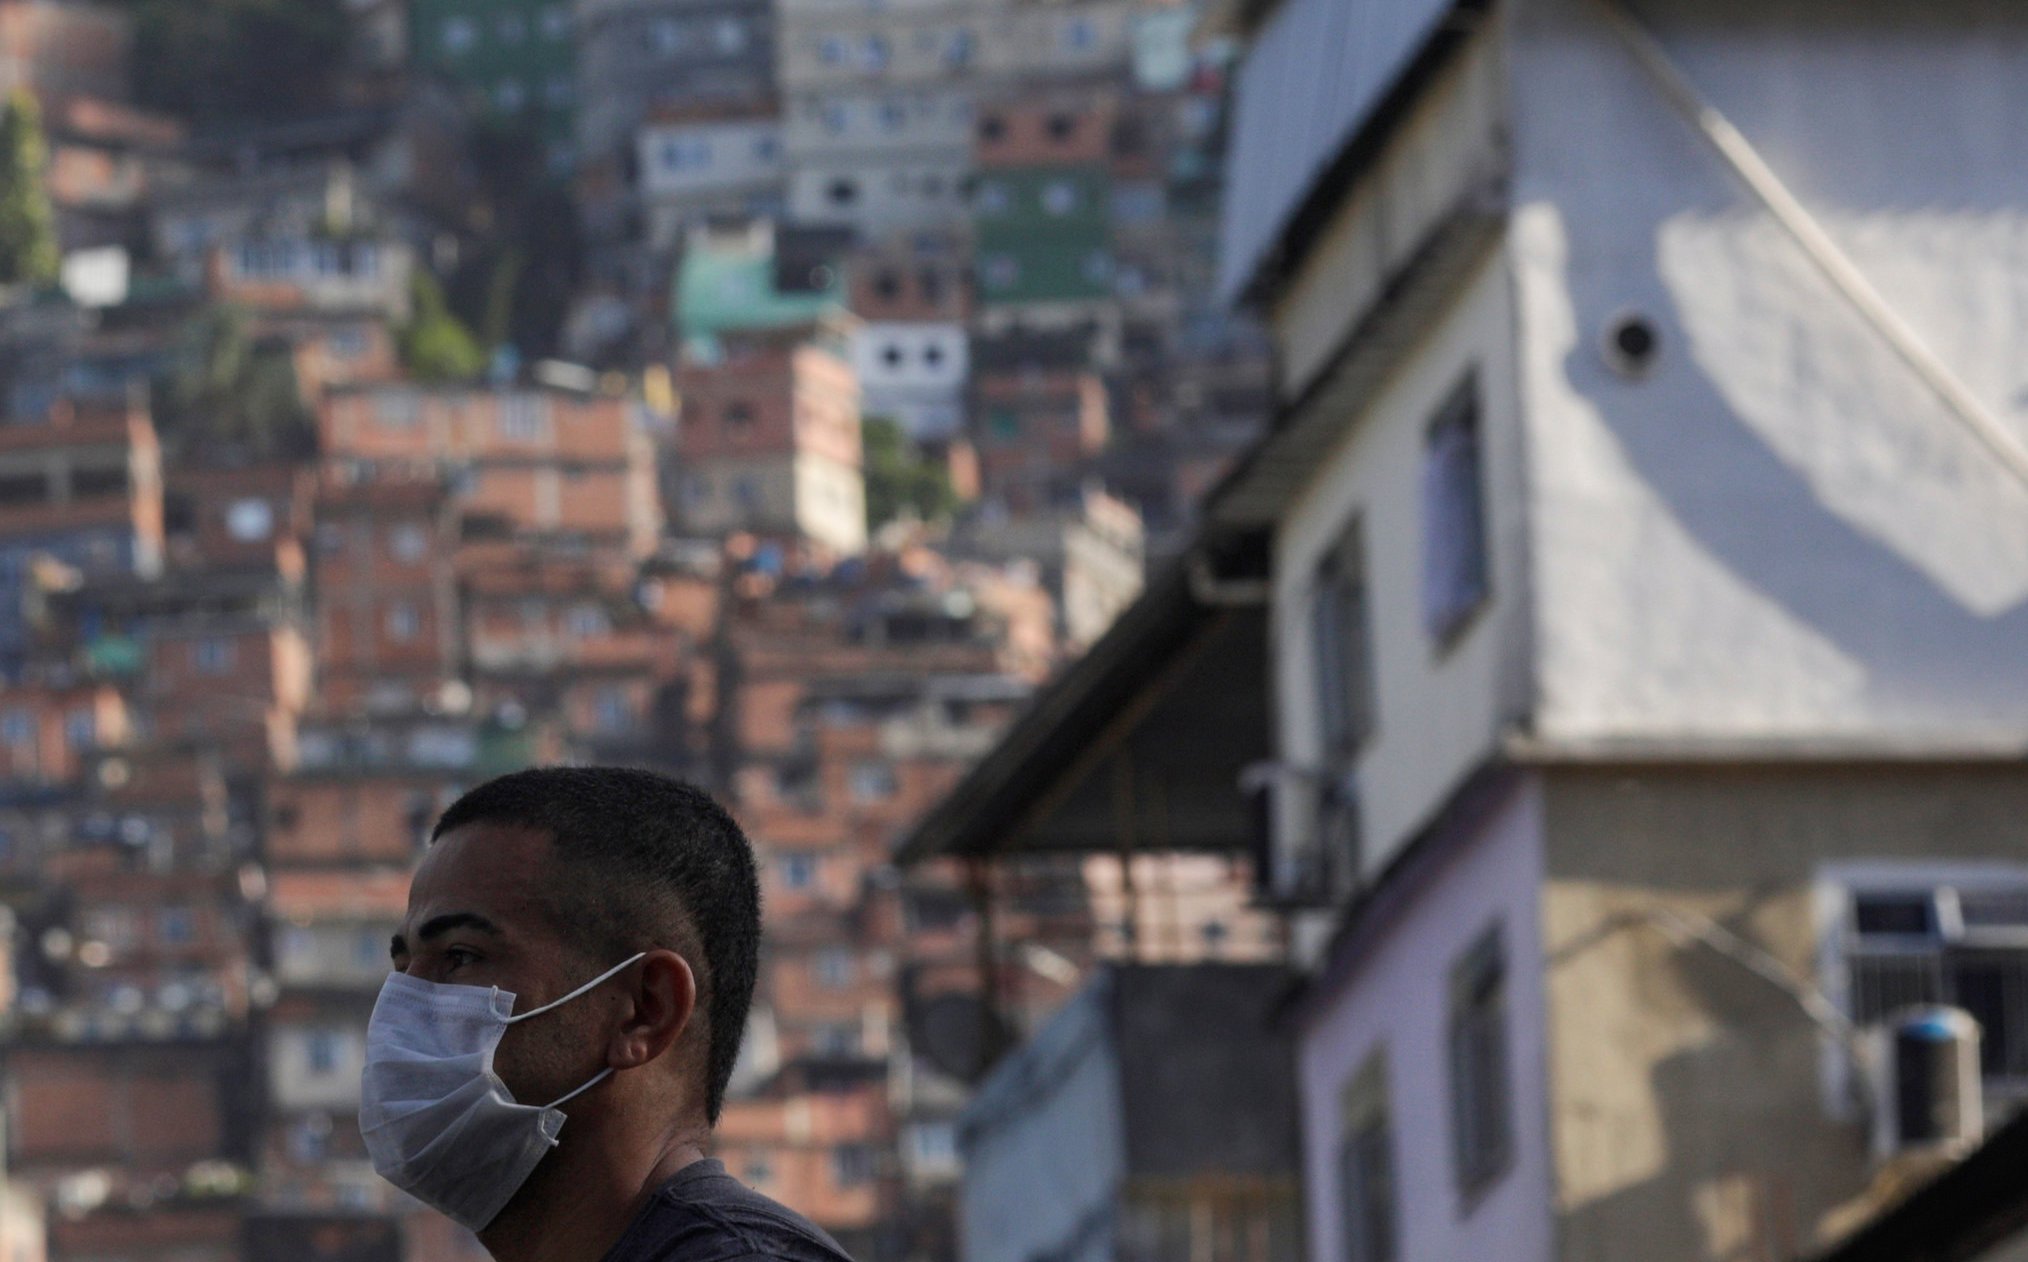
665, 999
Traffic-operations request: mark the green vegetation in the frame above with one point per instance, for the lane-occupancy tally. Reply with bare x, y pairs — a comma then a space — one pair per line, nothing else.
900, 479
515, 286
28, 252
234, 393
238, 59
434, 344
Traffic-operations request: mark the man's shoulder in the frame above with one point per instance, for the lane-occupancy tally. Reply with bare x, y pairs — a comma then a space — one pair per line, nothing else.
704, 1214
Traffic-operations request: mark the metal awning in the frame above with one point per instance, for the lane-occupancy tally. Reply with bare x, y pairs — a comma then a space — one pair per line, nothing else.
1137, 746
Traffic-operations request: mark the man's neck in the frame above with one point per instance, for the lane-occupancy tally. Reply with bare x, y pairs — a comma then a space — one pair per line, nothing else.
583, 1196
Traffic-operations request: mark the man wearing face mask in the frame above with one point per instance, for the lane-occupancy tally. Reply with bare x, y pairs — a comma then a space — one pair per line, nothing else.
570, 984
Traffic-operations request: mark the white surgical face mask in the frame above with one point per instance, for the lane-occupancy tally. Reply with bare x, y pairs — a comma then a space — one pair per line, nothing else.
438, 1122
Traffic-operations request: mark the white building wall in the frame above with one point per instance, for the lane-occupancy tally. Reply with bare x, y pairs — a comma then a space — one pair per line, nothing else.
914, 372
1439, 710
1779, 532
697, 160
880, 197
831, 502
1395, 1002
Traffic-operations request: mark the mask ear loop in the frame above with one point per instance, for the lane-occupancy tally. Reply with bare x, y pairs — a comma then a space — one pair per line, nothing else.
568, 1096
558, 1003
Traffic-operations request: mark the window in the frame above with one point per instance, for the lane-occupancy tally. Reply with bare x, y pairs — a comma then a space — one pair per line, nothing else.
1455, 576
523, 417
611, 711
175, 926
842, 192
933, 1143
835, 118
1000, 271
321, 1052
738, 417
873, 782
729, 36
959, 51
398, 410
1079, 34
80, 730
408, 543
832, 51
249, 520
992, 198
512, 29
799, 871
555, 21
1061, 127
836, 1041
17, 726
404, 622
509, 95
457, 36
766, 148
893, 116
1366, 1168
586, 621
891, 355
212, 657
874, 53
1059, 198
559, 92
1964, 945
852, 1165
667, 36
746, 492
833, 968
1481, 1131
1342, 648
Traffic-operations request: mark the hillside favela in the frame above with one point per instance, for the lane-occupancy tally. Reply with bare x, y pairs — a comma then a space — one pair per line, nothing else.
1344, 630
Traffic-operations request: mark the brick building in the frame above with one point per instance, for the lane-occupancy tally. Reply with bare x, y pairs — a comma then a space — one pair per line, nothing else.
769, 440
547, 461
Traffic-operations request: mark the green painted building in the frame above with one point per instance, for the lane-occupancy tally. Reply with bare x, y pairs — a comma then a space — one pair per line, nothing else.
517, 58
1043, 235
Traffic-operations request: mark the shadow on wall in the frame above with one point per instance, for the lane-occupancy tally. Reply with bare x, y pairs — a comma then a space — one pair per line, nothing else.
1752, 509
1741, 1163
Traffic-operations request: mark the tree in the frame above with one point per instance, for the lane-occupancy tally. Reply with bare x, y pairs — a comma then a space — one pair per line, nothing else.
28, 253
234, 394
238, 59
434, 344
899, 478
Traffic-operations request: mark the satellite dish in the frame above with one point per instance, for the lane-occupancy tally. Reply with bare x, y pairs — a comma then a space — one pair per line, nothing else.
958, 1035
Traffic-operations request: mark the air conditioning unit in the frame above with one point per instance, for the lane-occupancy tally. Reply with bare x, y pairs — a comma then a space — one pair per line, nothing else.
1928, 1085
1305, 834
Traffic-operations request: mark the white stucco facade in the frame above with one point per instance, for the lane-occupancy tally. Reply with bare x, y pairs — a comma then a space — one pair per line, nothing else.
1439, 708
1778, 531
914, 372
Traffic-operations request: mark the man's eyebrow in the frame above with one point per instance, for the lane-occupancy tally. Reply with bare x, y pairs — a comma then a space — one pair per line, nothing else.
438, 926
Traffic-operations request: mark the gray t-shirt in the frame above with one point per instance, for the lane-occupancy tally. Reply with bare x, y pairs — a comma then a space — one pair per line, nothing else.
703, 1214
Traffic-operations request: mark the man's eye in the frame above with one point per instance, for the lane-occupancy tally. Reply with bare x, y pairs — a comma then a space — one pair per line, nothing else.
456, 956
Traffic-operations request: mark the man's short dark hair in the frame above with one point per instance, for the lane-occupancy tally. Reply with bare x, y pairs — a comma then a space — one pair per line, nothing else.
643, 860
